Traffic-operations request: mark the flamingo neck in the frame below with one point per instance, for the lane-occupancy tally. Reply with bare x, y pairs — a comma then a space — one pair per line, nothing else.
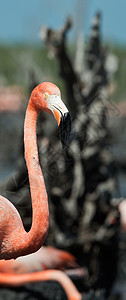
40, 212
47, 275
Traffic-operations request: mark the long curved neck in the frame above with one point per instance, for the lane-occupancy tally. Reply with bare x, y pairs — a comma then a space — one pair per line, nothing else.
53, 275
40, 212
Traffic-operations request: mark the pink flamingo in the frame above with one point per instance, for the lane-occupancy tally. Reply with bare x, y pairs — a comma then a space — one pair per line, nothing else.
45, 258
53, 275
14, 240
20, 271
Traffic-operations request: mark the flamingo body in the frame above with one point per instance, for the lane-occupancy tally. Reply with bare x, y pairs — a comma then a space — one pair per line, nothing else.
44, 258
27, 269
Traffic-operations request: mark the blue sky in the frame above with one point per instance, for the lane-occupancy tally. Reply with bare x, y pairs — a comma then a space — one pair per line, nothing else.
20, 20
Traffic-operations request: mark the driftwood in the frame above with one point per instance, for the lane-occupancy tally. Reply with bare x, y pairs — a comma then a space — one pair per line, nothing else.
83, 219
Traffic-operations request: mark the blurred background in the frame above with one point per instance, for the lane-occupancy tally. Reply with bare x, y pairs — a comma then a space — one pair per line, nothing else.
21, 46
80, 45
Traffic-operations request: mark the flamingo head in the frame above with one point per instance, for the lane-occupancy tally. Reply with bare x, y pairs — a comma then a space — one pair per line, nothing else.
47, 96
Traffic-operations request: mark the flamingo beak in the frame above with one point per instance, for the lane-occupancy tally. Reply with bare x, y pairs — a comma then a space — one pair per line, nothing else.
65, 129
62, 116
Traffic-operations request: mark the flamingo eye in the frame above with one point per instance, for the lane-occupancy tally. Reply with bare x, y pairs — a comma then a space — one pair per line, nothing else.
46, 95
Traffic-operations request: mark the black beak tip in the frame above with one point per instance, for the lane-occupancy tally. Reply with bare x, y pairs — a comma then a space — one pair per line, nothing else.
65, 129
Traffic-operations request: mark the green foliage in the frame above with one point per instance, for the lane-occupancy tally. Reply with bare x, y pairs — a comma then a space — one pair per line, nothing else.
16, 62
120, 75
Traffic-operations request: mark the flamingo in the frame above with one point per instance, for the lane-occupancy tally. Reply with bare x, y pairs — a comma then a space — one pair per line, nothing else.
45, 258
47, 275
14, 240
27, 269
